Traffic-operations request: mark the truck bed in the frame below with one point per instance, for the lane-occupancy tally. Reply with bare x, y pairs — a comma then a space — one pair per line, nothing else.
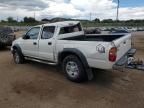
93, 37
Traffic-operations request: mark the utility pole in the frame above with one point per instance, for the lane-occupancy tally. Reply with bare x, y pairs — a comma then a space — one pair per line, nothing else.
117, 17
17, 19
90, 16
34, 15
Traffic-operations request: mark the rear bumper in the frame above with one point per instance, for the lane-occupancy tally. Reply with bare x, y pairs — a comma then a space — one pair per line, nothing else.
124, 59
107, 65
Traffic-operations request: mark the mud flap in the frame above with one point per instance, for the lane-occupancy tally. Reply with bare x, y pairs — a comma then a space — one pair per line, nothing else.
89, 74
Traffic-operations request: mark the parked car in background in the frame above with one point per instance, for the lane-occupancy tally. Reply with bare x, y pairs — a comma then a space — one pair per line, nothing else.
132, 29
119, 31
92, 31
7, 36
140, 29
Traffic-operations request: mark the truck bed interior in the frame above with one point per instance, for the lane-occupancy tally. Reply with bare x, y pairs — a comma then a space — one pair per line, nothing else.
106, 38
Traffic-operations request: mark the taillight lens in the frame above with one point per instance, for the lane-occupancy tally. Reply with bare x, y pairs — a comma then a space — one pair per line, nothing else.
113, 54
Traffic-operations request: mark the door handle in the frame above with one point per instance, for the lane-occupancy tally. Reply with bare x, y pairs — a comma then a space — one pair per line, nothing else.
124, 42
49, 43
34, 43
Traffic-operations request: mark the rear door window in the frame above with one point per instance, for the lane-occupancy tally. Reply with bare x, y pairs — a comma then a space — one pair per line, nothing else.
70, 29
48, 32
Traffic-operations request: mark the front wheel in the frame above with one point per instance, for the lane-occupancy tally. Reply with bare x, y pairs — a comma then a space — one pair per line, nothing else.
74, 69
18, 57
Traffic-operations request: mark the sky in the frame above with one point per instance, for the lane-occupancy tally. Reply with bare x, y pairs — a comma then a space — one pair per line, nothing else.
131, 3
76, 9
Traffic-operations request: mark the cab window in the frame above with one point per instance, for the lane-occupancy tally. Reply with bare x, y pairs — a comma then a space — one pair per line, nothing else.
70, 29
33, 33
48, 32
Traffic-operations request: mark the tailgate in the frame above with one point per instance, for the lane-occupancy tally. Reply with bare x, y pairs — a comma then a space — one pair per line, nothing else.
123, 45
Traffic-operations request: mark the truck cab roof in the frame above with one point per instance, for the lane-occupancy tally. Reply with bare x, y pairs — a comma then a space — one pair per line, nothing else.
62, 23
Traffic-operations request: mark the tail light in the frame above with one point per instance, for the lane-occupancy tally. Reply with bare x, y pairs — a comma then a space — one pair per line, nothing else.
113, 54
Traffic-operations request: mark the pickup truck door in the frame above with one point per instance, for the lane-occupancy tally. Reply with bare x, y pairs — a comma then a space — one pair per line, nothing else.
29, 45
47, 43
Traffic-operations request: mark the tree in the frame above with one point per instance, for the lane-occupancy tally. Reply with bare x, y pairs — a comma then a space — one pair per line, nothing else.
107, 21
45, 19
11, 20
3, 21
29, 20
97, 20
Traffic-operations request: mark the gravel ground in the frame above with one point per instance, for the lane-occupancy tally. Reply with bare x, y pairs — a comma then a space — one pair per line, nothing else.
35, 85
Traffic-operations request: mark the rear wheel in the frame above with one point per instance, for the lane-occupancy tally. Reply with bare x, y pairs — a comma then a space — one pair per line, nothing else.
74, 69
18, 57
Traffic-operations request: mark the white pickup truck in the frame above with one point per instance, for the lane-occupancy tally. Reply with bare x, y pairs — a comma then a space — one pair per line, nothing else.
65, 43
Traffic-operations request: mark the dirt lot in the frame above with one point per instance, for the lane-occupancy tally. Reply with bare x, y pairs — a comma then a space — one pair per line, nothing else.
35, 85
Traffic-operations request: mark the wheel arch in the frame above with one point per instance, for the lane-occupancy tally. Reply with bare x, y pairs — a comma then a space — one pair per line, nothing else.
73, 51
16, 47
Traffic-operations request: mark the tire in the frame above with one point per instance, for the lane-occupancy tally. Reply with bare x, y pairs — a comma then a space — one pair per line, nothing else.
74, 69
18, 57
2, 46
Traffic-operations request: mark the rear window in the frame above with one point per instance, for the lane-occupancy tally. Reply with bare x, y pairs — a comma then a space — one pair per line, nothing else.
70, 29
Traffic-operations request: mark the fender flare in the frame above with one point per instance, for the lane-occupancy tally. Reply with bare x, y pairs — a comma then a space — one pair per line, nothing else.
75, 52
18, 48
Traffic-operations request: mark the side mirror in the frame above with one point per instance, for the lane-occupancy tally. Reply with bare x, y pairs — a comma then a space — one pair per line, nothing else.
26, 37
